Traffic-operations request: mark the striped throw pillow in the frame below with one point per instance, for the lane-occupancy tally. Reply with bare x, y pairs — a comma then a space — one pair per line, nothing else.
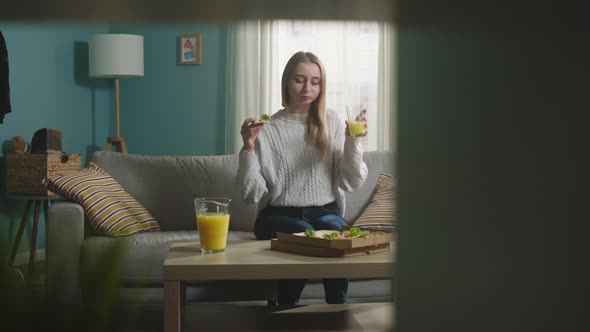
110, 210
380, 214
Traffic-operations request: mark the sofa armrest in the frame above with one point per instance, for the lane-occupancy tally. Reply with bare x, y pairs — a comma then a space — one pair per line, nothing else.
64, 238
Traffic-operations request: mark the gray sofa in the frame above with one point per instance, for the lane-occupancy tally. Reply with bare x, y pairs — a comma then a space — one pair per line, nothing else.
78, 260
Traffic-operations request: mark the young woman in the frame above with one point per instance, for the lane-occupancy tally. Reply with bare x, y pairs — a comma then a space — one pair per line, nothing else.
297, 166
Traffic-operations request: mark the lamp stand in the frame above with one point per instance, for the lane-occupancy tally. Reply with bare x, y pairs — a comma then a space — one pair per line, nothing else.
119, 142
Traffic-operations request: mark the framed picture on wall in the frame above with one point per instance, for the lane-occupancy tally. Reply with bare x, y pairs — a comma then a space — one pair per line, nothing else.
190, 49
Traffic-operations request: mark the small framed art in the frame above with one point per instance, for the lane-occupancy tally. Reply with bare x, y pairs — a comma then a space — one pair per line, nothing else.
190, 49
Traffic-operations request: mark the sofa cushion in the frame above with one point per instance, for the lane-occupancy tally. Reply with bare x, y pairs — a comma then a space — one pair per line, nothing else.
168, 185
109, 208
141, 256
380, 214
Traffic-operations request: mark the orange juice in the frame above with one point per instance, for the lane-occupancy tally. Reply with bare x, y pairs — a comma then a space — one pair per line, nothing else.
356, 128
213, 229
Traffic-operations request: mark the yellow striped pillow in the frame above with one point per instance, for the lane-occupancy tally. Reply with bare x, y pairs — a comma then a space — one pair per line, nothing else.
109, 208
380, 214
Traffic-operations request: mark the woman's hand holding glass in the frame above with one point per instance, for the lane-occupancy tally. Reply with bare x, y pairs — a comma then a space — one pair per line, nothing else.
249, 131
358, 126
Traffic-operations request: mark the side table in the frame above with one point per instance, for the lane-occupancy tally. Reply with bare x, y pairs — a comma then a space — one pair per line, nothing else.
30, 199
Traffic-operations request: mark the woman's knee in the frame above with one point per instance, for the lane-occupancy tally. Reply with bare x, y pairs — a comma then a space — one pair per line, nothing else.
267, 227
330, 222
297, 226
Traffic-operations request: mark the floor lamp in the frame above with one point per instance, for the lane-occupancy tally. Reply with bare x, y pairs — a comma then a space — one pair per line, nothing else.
115, 56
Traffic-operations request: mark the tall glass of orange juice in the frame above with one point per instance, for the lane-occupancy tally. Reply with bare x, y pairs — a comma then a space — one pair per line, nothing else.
212, 222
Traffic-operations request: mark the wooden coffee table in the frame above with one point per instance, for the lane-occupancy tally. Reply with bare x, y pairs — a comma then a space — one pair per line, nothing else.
254, 260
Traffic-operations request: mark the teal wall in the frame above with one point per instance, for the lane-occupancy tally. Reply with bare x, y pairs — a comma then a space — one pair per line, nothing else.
171, 110
176, 109
50, 87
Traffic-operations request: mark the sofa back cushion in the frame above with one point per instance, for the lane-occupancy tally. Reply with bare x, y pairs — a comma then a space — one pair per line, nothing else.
167, 186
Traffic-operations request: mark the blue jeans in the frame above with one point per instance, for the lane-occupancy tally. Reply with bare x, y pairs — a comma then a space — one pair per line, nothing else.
294, 220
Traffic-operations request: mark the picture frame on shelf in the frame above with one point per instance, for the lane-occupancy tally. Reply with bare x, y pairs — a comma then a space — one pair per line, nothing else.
190, 49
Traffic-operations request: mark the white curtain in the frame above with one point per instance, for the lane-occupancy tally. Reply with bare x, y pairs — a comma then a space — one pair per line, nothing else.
359, 62
386, 90
248, 77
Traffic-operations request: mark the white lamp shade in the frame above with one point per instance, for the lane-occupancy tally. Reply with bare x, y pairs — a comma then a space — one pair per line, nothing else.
115, 55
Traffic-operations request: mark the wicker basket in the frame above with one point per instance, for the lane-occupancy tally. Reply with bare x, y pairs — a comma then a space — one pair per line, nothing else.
24, 172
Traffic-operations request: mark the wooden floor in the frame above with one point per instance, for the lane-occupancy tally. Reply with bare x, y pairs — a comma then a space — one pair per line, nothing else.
230, 316
259, 317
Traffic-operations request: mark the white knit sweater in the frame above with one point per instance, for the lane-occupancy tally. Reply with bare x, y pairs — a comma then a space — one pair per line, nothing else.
284, 170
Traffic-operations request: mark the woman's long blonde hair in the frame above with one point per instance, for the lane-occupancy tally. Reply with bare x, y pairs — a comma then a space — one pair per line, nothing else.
316, 123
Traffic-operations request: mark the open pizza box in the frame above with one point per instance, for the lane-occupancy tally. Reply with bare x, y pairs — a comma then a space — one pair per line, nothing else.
299, 243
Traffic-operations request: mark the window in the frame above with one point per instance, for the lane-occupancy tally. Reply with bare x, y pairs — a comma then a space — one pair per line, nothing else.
350, 54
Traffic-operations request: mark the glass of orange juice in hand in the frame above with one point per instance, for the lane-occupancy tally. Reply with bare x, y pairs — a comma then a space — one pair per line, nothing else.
357, 122
212, 222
